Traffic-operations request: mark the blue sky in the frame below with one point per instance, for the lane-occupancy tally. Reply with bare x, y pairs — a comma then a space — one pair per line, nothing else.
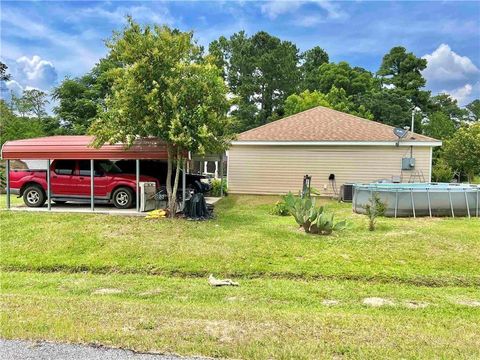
42, 42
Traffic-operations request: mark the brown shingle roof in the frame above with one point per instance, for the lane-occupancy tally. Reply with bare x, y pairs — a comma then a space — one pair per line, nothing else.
324, 124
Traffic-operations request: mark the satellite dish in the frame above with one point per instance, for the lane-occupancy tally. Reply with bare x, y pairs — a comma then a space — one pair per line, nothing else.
400, 133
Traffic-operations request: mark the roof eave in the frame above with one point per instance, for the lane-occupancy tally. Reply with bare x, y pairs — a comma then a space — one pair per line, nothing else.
337, 143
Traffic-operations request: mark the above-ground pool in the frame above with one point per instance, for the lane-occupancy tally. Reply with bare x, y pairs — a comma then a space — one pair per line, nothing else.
420, 199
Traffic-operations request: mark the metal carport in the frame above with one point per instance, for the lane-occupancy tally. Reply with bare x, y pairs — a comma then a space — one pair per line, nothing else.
80, 148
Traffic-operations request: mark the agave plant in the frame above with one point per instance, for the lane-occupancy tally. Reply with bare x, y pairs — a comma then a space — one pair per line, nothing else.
311, 218
325, 225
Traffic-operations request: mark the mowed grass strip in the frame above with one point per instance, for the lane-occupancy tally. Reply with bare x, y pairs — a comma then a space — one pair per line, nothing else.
245, 241
263, 318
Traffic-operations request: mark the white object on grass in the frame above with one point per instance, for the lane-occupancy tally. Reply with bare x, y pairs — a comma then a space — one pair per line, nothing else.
221, 282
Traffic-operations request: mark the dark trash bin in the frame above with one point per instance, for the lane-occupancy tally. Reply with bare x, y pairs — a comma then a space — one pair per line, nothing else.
196, 208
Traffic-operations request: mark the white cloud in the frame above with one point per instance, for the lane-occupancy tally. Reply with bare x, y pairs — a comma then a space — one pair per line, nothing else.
27, 74
71, 51
7, 88
275, 8
143, 14
465, 94
35, 72
452, 73
445, 64
14, 87
332, 9
461, 93
309, 21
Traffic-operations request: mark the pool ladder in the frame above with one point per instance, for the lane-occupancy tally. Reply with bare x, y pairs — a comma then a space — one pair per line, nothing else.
415, 176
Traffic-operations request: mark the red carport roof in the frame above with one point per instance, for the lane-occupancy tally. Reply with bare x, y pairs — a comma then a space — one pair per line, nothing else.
79, 147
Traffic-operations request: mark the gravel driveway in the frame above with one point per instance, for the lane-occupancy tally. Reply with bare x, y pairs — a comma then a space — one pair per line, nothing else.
28, 350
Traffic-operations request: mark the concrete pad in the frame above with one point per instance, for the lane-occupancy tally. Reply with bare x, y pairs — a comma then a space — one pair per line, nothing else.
84, 208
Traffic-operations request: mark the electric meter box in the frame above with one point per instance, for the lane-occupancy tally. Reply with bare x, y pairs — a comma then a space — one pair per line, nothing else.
147, 196
408, 163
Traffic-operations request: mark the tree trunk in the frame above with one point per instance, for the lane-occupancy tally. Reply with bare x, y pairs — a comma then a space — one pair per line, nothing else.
175, 183
470, 176
371, 225
169, 175
172, 199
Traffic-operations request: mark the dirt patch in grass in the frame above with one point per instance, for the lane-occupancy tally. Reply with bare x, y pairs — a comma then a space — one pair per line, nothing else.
377, 302
107, 291
330, 302
151, 292
469, 303
416, 304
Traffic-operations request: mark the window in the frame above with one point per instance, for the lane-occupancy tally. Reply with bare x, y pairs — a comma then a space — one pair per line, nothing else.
64, 167
84, 167
100, 166
107, 166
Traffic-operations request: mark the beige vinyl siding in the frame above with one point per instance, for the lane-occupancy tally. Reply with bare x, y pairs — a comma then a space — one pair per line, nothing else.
278, 169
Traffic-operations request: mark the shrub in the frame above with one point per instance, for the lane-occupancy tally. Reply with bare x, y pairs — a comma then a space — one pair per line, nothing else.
216, 186
313, 219
462, 151
441, 171
280, 208
374, 209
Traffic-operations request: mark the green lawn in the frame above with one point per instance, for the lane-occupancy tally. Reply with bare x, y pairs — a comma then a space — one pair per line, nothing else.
141, 284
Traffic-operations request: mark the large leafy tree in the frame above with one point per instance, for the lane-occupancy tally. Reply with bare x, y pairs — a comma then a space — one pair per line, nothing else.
339, 100
261, 72
345, 87
164, 88
13, 127
354, 81
388, 106
462, 151
79, 98
473, 110
4, 76
403, 71
311, 61
31, 108
439, 126
19, 105
296, 103
335, 99
447, 105
35, 102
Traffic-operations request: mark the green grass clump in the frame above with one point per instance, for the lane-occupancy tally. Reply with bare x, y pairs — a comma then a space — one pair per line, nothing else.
141, 284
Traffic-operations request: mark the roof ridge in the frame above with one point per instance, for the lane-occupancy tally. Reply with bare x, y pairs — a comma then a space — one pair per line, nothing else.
370, 120
375, 123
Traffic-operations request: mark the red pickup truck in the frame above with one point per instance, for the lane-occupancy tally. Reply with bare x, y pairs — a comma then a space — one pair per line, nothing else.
70, 181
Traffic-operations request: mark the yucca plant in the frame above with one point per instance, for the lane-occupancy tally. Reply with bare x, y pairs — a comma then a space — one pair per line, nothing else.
374, 209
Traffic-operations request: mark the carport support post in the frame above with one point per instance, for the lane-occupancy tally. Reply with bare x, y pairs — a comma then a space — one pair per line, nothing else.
49, 187
92, 199
137, 184
7, 170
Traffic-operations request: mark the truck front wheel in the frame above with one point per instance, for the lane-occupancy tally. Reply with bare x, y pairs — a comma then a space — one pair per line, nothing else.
34, 196
123, 198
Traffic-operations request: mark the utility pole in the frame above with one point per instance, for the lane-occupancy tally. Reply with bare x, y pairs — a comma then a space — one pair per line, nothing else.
413, 118
414, 110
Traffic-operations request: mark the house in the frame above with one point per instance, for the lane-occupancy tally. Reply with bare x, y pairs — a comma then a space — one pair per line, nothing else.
331, 146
